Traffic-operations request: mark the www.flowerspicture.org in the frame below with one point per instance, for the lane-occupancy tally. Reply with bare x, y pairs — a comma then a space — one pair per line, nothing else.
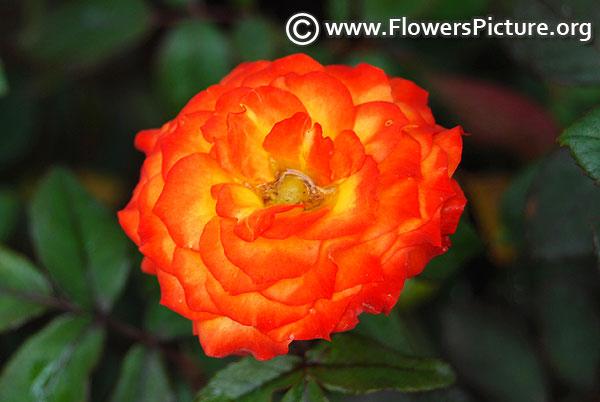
303, 29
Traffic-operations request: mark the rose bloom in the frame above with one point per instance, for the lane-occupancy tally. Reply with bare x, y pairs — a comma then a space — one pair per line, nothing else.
291, 197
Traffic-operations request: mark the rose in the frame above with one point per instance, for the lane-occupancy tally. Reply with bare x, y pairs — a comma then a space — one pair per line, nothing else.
291, 197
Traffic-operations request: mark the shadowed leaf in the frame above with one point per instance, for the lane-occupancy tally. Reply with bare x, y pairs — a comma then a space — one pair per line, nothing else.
79, 241
583, 139
251, 380
143, 378
564, 60
562, 209
53, 365
571, 331
355, 365
491, 354
193, 56
19, 281
83, 33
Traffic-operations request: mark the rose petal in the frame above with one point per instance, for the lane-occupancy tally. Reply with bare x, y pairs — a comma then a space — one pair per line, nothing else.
365, 83
232, 279
265, 259
372, 117
296, 63
354, 208
222, 337
173, 297
185, 204
185, 140
326, 99
242, 71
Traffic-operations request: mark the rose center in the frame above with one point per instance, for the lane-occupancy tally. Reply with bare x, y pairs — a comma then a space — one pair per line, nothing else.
292, 187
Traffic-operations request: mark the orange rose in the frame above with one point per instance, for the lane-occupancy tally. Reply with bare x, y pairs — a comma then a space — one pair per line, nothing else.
291, 197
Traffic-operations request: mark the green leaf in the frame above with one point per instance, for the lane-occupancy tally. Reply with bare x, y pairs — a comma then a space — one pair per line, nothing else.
415, 292
596, 238
381, 10
338, 10
178, 3
193, 56
583, 139
143, 378
390, 331
53, 365
9, 212
20, 284
493, 356
79, 241
563, 208
247, 376
295, 394
512, 206
567, 103
314, 392
254, 39
450, 10
83, 33
305, 391
452, 394
565, 60
3, 81
571, 332
165, 323
17, 114
265, 392
355, 365
466, 245
183, 391
374, 58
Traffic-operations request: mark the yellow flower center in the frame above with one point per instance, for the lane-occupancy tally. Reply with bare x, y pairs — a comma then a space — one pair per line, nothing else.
292, 187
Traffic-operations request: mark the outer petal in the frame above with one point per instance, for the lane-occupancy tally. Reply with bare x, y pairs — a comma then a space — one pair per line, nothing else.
451, 142
206, 100
173, 297
452, 210
360, 263
185, 204
221, 337
155, 241
320, 321
237, 76
185, 140
366, 83
372, 117
145, 140
193, 275
296, 63
407, 91
129, 217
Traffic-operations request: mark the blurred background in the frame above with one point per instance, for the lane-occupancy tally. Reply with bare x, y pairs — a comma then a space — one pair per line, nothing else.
513, 306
